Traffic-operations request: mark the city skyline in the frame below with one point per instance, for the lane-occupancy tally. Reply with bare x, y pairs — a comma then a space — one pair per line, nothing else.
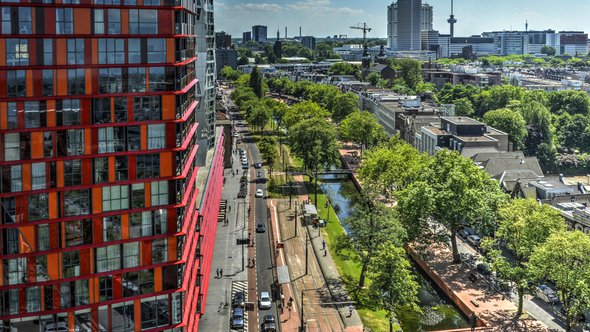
323, 18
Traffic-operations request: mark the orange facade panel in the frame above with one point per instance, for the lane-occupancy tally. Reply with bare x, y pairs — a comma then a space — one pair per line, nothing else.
37, 145
60, 52
2, 52
94, 51
88, 79
87, 141
3, 116
53, 206
158, 279
166, 164
168, 112
60, 173
27, 239
125, 21
30, 84
26, 177
170, 48
96, 200
53, 264
51, 110
82, 21
62, 82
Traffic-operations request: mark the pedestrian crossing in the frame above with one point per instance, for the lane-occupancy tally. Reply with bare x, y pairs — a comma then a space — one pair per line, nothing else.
240, 286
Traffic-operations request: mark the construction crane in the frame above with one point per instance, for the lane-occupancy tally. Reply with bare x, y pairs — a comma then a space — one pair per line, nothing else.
365, 30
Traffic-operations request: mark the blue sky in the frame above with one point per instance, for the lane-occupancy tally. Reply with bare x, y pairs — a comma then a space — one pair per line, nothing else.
330, 17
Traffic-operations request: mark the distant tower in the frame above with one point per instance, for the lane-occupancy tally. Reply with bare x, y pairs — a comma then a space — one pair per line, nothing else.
299, 33
526, 26
452, 20
285, 32
278, 34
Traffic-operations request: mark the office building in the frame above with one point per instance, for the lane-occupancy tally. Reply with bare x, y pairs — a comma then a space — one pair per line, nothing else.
259, 33
226, 57
246, 36
107, 223
404, 24
509, 42
309, 42
572, 42
426, 17
222, 40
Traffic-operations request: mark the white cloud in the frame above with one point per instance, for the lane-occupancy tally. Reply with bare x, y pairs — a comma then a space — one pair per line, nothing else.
264, 7
322, 7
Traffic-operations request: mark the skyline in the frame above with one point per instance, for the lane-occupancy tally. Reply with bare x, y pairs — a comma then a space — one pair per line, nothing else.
323, 18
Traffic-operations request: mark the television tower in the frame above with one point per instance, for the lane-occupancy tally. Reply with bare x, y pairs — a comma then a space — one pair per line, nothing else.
452, 20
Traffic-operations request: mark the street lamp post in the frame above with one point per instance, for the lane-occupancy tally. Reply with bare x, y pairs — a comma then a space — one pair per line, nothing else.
306, 252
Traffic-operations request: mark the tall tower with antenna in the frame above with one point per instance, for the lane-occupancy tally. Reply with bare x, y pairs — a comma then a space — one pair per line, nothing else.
452, 20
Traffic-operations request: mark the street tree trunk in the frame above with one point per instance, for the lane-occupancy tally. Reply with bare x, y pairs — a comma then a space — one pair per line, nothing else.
520, 301
363, 272
390, 326
456, 257
316, 188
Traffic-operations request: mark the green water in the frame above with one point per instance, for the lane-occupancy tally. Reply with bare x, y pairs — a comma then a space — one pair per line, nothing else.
438, 312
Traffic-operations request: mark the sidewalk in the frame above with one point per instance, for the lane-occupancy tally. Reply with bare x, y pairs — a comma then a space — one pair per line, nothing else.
325, 300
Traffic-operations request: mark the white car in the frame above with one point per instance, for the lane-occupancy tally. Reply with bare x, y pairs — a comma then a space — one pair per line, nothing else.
474, 240
264, 302
259, 193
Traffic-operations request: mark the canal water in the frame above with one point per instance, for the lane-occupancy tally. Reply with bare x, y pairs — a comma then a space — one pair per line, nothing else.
438, 312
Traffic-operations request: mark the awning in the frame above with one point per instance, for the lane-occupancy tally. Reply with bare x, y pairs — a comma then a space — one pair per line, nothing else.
283, 274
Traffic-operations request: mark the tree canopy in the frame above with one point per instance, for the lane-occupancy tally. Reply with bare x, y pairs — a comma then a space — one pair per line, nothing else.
510, 122
362, 128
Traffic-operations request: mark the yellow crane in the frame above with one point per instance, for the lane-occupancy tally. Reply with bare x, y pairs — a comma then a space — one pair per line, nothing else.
365, 29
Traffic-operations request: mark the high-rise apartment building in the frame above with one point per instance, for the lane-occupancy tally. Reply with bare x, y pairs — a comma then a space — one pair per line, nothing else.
426, 17
259, 33
246, 36
309, 42
107, 212
404, 24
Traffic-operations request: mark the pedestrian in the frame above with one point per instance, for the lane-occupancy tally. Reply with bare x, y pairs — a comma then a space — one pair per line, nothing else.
217, 273
325, 253
350, 308
253, 262
323, 244
221, 274
229, 208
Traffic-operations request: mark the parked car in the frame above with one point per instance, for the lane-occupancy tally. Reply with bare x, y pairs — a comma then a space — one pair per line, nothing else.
245, 165
239, 299
260, 228
546, 294
259, 193
474, 240
57, 327
264, 301
257, 165
237, 318
270, 323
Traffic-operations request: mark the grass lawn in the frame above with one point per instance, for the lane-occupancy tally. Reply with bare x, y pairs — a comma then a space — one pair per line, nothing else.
347, 264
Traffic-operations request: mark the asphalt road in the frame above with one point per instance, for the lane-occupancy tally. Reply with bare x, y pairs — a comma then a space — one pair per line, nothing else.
264, 268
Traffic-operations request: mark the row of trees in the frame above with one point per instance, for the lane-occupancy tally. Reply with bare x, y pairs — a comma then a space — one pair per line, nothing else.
451, 191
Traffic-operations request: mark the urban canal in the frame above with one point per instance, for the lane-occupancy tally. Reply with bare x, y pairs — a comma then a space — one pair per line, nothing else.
439, 313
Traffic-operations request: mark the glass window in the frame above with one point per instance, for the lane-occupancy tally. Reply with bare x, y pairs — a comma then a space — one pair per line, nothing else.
33, 299
159, 251
16, 83
123, 317
121, 168
114, 19
103, 318
76, 81
157, 79
115, 198
77, 202
15, 175
65, 294
48, 52
105, 288
71, 263
16, 269
107, 2
11, 147
156, 50
75, 51
68, 112
64, 21
101, 170
38, 207
8, 208
35, 115
121, 109
156, 136
6, 20
12, 115
148, 166
43, 237
137, 196
70, 142
159, 193
147, 108
101, 110
111, 51
108, 258
133, 138
152, 2
47, 82
136, 79
106, 142
155, 312
134, 50
99, 21
130, 254
146, 281
110, 80
82, 295
41, 267
17, 52
48, 144
111, 228
83, 320
25, 20
147, 223
78, 232
73, 172
143, 22
10, 243
38, 176
177, 307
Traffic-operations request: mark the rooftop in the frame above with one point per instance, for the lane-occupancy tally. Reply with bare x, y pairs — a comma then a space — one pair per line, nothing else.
461, 120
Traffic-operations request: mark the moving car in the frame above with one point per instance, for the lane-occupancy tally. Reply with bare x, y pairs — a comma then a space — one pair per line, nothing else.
259, 193
257, 165
260, 228
474, 240
264, 301
270, 323
546, 294
237, 318
239, 300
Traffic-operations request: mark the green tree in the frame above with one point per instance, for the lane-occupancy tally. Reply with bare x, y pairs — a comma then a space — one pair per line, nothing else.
568, 101
393, 282
369, 226
572, 132
548, 50
256, 82
564, 259
373, 78
410, 71
362, 127
268, 150
345, 68
229, 73
303, 111
463, 107
510, 122
314, 141
497, 97
322, 94
461, 193
277, 110
259, 117
523, 225
343, 105
243, 60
